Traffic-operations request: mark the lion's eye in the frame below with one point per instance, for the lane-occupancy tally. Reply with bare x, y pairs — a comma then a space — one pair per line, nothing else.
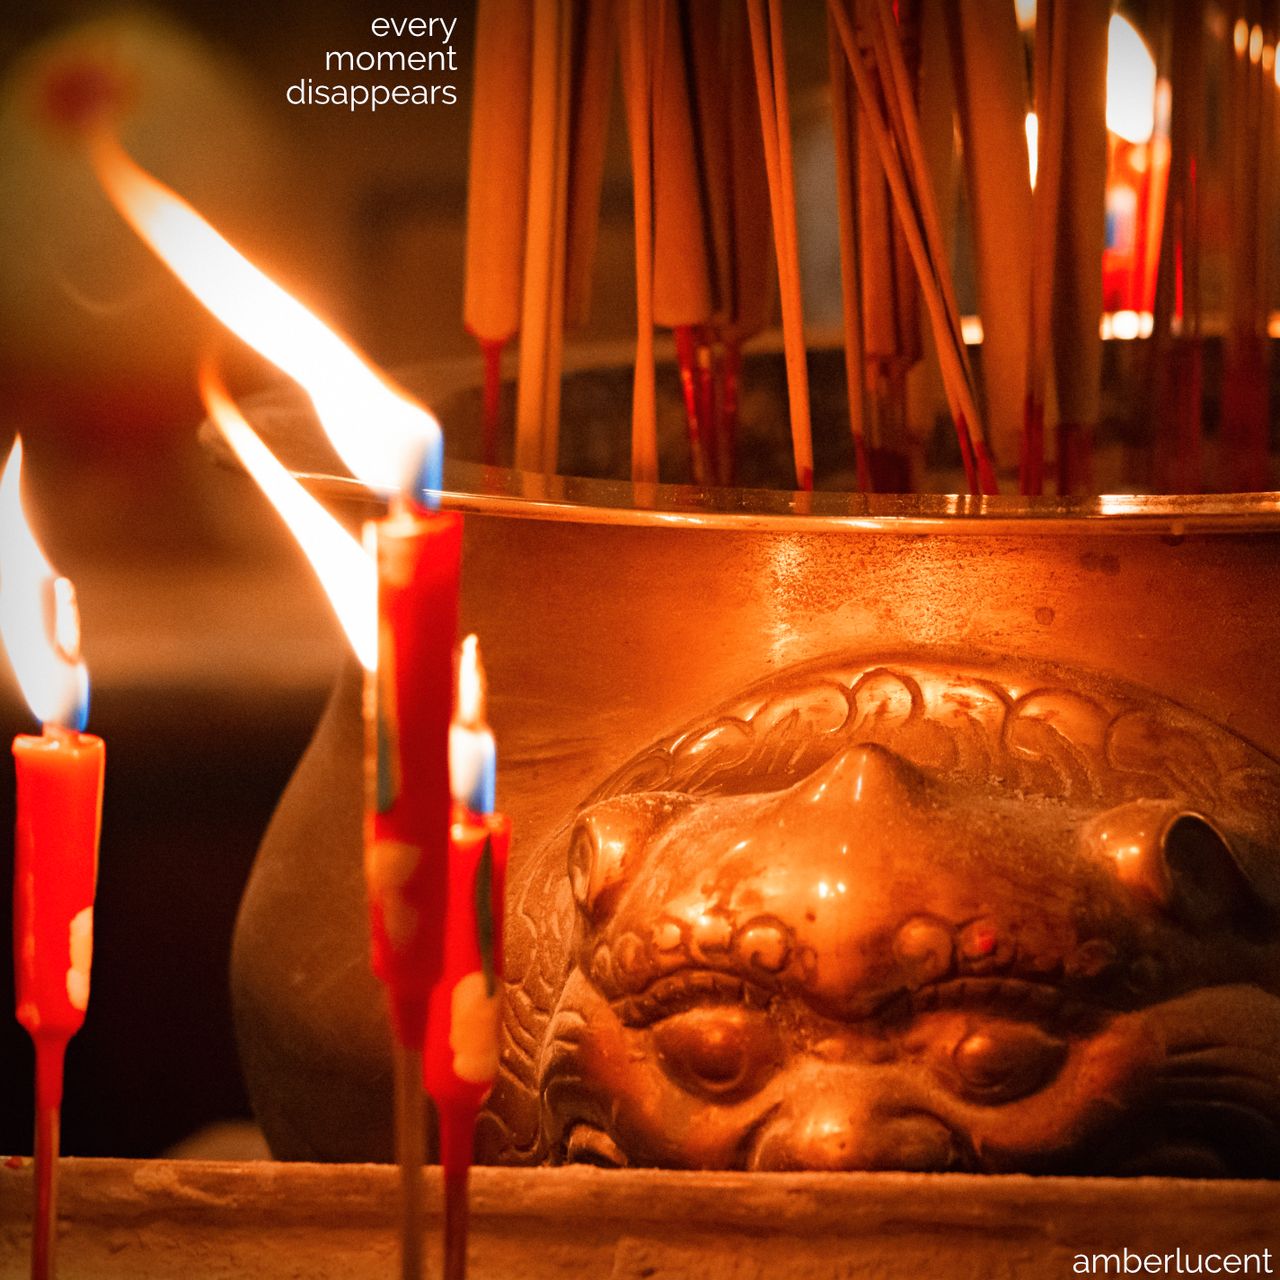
1002, 1062
723, 1053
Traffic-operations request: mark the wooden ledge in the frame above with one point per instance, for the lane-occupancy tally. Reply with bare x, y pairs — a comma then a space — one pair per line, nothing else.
196, 1220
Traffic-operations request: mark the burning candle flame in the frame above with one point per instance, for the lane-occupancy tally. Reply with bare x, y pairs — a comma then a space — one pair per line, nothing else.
471, 685
39, 620
1131, 82
472, 753
389, 442
346, 570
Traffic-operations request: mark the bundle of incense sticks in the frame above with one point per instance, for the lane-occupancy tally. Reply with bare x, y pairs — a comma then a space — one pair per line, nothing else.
539, 119
684, 283
768, 51
988, 71
1050, 102
1078, 62
697, 117
889, 111
701, 201
844, 131
879, 297
708, 119
1176, 358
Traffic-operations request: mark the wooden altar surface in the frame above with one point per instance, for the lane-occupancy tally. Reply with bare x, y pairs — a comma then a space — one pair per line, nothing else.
154, 1219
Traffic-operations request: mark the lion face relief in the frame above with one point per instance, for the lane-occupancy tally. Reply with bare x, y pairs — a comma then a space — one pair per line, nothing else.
910, 917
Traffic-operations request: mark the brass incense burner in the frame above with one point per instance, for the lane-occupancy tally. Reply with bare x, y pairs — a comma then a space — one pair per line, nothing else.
851, 832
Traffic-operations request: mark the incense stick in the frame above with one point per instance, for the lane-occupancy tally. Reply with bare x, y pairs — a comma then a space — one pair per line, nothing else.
708, 372
637, 85
1244, 402
793, 332
959, 395
989, 71
683, 281
890, 328
589, 127
844, 130
546, 175
1077, 293
457, 1212
697, 425
771, 88
1050, 100
1175, 360
497, 193
553, 359
750, 282
707, 37
410, 1155
887, 46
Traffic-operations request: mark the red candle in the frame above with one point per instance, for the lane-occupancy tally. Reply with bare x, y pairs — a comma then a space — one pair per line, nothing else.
461, 1052
406, 853
460, 1058
55, 871
409, 703
59, 808
464, 1023
465, 1017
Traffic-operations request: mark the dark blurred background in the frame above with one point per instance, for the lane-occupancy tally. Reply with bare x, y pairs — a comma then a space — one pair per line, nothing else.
210, 651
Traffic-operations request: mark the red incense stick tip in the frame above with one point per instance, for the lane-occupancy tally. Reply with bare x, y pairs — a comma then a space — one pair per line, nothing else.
491, 351
1031, 466
986, 469
687, 357
966, 452
863, 462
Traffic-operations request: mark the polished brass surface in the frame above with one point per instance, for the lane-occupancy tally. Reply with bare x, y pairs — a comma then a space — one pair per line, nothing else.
889, 914
619, 624
604, 639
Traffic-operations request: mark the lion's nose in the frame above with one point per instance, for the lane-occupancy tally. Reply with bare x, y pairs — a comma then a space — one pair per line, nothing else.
843, 1131
864, 774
